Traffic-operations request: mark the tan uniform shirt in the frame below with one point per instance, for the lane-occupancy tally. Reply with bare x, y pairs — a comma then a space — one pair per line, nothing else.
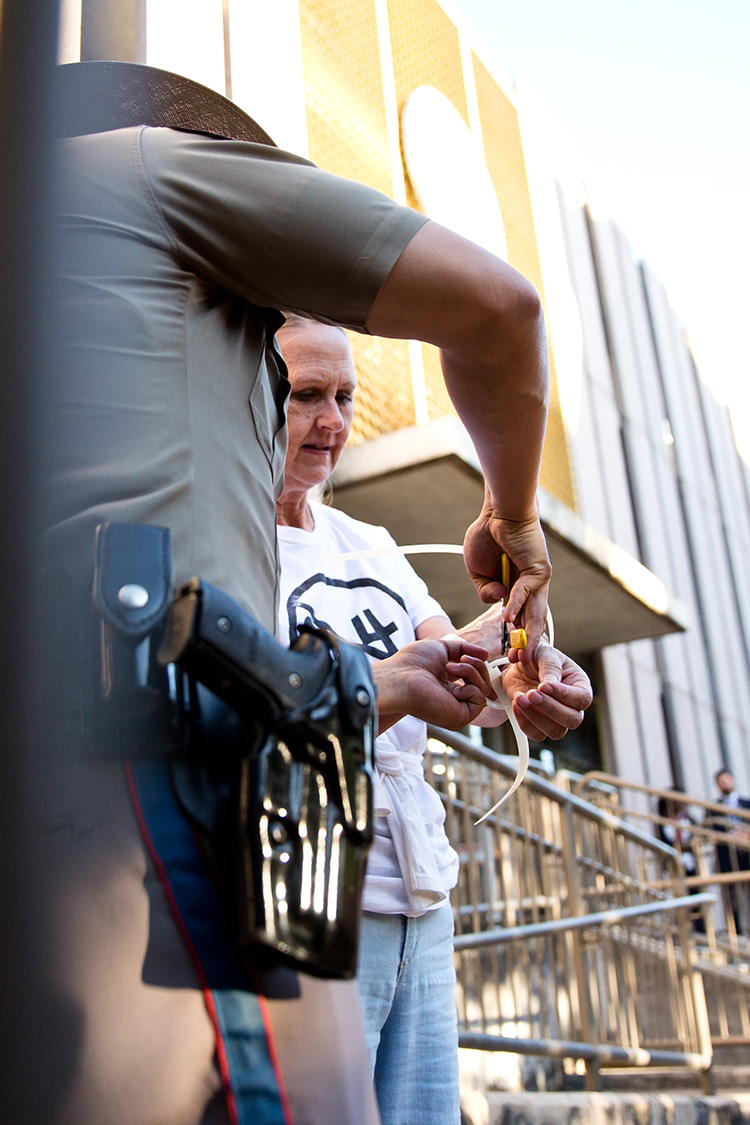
174, 248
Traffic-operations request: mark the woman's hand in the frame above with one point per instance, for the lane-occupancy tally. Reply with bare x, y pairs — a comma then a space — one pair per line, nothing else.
444, 682
486, 630
549, 694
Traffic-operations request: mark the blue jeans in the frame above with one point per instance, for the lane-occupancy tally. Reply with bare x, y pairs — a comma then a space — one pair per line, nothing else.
407, 989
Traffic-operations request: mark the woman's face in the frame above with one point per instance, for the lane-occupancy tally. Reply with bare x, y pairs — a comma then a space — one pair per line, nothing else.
321, 403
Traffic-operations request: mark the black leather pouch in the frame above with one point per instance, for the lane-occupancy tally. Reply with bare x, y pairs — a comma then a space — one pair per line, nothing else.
133, 711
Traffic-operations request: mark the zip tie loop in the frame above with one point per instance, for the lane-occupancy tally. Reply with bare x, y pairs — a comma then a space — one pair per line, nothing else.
495, 667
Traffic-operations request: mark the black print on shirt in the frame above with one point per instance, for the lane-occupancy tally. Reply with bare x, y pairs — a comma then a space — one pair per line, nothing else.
375, 636
380, 633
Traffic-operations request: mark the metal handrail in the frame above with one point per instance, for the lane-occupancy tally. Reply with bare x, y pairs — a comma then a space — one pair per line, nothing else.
562, 925
563, 909
566, 1049
618, 784
708, 839
500, 763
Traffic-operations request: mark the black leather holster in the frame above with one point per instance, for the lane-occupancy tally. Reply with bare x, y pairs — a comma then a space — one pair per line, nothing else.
298, 752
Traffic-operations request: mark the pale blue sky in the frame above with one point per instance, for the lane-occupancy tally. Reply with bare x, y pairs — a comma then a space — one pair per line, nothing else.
655, 98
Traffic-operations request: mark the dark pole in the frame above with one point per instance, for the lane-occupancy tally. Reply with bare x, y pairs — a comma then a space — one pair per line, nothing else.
28, 38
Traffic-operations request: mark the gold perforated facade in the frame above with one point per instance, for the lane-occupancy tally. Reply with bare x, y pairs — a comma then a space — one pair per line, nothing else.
426, 51
361, 57
348, 134
503, 153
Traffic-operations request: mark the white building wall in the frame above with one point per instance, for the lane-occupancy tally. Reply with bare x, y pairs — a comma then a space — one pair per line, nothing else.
659, 474
707, 754
635, 718
624, 750
594, 491
596, 441
585, 287
613, 471
266, 67
187, 36
733, 507
637, 744
656, 764
708, 513
587, 429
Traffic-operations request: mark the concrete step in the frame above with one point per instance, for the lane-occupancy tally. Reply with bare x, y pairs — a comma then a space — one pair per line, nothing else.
645, 1080
612, 1108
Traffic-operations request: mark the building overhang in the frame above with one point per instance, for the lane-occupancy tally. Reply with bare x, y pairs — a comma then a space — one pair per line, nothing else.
425, 485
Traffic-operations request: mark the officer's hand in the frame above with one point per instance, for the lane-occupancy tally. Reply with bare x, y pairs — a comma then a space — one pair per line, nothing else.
524, 543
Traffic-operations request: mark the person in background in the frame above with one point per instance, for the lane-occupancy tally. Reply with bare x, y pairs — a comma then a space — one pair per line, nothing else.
405, 970
734, 856
675, 827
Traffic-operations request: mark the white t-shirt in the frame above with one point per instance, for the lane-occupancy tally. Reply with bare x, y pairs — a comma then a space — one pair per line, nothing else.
375, 603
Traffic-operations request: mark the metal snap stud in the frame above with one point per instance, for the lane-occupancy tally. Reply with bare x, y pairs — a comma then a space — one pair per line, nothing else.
132, 596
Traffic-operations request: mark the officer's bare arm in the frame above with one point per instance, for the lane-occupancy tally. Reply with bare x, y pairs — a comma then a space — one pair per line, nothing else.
487, 321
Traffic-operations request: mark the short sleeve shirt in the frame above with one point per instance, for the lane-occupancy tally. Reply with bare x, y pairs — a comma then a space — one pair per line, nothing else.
174, 251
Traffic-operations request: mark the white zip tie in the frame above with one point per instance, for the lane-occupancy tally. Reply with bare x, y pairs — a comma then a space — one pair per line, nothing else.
410, 549
496, 668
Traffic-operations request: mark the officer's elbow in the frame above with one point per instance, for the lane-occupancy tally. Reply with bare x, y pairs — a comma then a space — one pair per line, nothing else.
512, 310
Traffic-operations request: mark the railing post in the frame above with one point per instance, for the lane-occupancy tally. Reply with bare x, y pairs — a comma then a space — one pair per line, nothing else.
706, 912
576, 937
695, 996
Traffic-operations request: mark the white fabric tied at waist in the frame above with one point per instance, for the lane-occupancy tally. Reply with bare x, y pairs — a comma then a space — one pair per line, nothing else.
394, 799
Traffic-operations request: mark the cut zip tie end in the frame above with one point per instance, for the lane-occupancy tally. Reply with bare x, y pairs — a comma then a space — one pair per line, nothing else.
523, 764
504, 703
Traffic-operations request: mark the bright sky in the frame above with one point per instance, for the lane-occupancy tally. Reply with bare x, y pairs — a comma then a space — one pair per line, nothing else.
654, 96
